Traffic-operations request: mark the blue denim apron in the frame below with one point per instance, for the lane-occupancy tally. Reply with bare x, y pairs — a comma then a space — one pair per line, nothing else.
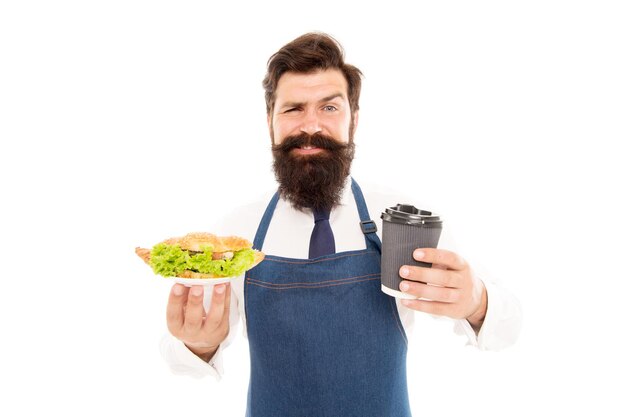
324, 340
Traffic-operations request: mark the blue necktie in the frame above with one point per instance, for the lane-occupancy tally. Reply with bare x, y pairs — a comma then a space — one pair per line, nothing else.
322, 239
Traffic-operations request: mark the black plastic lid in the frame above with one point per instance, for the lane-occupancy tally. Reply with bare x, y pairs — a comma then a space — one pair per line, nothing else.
411, 215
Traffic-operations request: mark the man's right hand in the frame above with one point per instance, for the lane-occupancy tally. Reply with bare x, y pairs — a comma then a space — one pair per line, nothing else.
201, 331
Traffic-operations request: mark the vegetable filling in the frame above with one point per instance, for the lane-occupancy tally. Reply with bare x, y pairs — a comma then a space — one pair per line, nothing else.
172, 260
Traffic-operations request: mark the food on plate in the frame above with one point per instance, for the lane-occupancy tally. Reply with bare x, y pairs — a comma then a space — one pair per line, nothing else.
201, 255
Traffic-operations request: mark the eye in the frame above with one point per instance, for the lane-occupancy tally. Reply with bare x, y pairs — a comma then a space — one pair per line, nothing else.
330, 108
292, 109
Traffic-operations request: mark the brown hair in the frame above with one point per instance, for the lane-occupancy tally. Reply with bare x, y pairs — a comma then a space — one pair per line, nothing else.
306, 54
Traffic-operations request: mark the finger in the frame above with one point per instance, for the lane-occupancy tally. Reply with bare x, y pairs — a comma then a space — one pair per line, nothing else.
227, 302
440, 277
430, 292
218, 309
441, 257
194, 313
175, 308
431, 307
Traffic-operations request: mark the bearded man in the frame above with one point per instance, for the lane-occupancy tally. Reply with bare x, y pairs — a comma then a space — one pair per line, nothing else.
324, 340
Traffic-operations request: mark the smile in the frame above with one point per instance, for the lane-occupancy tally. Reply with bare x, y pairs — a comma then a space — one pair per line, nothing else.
307, 150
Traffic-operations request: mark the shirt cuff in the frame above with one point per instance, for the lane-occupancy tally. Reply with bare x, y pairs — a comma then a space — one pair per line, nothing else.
182, 361
502, 323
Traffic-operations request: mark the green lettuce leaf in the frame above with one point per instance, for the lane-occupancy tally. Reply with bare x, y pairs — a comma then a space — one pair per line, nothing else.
171, 260
240, 262
168, 260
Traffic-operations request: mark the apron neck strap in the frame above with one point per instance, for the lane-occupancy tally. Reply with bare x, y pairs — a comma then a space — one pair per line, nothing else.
261, 231
368, 227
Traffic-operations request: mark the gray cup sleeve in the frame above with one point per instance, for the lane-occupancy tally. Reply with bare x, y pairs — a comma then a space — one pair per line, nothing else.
399, 242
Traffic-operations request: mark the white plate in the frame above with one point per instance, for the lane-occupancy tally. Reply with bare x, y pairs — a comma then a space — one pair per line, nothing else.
188, 282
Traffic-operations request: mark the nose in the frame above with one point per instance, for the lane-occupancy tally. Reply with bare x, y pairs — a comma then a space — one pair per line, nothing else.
310, 123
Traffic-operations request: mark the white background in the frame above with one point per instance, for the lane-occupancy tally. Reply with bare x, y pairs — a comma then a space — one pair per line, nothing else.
125, 122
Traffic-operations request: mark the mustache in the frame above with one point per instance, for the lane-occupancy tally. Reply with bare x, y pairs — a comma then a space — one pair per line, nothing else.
317, 140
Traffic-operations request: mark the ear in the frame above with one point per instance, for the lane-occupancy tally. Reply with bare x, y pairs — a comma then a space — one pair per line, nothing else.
356, 122
269, 127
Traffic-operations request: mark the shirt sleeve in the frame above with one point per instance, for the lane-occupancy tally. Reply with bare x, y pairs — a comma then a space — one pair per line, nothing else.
502, 323
182, 361
500, 328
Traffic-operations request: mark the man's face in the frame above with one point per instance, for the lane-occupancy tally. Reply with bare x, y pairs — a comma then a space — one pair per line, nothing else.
311, 103
311, 129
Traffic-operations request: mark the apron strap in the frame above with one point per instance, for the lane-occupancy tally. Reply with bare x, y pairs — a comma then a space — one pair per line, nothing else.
261, 231
368, 227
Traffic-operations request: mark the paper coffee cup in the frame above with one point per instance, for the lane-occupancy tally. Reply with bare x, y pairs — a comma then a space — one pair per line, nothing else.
405, 228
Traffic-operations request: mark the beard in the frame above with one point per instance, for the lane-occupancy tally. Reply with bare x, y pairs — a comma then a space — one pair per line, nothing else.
312, 181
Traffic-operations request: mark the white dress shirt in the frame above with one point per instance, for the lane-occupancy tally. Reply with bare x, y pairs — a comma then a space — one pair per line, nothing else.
288, 236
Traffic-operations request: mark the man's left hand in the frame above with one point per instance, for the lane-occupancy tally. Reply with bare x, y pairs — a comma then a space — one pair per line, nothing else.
449, 288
